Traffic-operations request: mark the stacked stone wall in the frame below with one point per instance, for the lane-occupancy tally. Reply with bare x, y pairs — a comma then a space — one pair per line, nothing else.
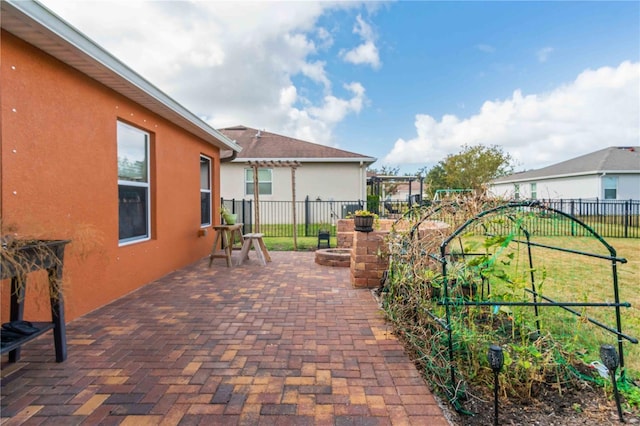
368, 259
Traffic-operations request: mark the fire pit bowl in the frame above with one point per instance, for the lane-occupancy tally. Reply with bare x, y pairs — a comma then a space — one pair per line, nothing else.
337, 257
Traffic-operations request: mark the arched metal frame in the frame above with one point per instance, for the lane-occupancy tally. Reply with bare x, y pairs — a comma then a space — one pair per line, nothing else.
538, 299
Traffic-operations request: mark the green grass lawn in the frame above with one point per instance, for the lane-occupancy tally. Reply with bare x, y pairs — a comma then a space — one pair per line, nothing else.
571, 277
591, 279
286, 243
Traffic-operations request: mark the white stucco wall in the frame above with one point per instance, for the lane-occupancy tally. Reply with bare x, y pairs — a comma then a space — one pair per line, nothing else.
629, 187
584, 187
328, 181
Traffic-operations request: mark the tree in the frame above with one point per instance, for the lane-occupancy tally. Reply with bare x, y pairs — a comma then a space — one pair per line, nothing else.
472, 168
435, 179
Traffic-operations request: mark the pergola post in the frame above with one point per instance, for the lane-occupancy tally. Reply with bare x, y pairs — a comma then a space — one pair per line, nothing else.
256, 190
256, 197
293, 207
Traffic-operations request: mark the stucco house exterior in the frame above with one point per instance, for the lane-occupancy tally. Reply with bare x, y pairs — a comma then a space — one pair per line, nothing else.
324, 173
94, 153
611, 173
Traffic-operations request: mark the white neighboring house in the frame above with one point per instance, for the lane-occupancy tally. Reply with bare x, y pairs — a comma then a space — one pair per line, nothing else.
612, 173
324, 173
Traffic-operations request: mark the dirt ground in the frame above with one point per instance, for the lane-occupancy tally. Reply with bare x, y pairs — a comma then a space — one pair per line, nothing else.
582, 404
579, 406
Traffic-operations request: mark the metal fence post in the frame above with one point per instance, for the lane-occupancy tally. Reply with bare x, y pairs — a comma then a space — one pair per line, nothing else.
573, 231
626, 218
306, 216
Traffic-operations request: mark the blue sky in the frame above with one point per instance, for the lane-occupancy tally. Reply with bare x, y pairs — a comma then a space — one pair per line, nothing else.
406, 82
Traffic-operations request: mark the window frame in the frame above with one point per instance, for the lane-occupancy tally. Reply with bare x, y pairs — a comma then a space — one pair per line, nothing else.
516, 191
206, 191
534, 190
132, 183
247, 182
605, 187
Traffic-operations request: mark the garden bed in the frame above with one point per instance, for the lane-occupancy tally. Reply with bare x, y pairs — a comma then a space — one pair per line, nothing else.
492, 279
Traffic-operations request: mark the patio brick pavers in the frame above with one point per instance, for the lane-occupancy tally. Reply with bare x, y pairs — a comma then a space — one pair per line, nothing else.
291, 343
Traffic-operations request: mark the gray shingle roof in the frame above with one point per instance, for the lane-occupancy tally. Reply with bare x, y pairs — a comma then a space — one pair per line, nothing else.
614, 159
261, 145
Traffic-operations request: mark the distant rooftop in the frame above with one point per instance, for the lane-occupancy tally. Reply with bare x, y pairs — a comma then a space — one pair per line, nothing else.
261, 145
615, 159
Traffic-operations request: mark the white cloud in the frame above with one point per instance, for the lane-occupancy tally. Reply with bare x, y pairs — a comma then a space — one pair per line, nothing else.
599, 108
229, 62
543, 54
367, 52
315, 123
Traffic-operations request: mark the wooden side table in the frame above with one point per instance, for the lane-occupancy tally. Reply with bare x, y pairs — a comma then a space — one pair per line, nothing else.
225, 235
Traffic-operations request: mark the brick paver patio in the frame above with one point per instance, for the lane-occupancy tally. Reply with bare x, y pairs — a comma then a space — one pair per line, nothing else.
287, 344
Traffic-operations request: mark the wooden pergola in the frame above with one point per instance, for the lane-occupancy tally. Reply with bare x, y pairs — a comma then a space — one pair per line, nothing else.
255, 165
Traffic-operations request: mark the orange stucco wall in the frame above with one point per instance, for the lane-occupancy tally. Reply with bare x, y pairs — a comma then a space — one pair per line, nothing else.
59, 180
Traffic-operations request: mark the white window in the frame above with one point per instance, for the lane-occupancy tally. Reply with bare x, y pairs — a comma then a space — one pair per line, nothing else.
516, 191
205, 191
610, 186
534, 191
134, 215
264, 181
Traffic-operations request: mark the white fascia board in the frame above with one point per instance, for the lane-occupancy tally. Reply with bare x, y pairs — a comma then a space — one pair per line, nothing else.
57, 27
311, 160
568, 175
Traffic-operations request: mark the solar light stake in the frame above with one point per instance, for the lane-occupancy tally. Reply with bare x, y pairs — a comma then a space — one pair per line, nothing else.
496, 360
610, 359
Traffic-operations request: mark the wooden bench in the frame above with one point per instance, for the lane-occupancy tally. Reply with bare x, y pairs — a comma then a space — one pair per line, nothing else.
258, 246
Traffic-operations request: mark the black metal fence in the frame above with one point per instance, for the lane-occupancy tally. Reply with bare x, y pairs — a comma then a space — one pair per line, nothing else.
609, 218
276, 217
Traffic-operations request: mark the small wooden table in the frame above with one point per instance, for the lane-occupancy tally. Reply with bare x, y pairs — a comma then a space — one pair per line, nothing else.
225, 234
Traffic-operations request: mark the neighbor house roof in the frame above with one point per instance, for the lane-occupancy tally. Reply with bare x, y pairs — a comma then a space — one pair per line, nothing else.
260, 145
614, 159
37, 25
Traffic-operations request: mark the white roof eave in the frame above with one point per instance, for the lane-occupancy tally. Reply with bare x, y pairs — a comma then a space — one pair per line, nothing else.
367, 160
567, 175
39, 26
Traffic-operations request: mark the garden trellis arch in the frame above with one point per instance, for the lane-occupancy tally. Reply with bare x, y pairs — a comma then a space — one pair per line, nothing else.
519, 220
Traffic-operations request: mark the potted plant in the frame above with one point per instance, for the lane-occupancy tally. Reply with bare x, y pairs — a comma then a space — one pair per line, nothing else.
228, 217
363, 220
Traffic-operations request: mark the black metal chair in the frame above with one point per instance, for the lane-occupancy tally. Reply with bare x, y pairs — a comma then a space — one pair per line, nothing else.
326, 237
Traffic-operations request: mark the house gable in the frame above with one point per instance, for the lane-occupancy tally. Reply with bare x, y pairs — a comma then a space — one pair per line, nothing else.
324, 172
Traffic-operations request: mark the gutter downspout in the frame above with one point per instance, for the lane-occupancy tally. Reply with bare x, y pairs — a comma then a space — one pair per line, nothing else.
232, 157
364, 197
